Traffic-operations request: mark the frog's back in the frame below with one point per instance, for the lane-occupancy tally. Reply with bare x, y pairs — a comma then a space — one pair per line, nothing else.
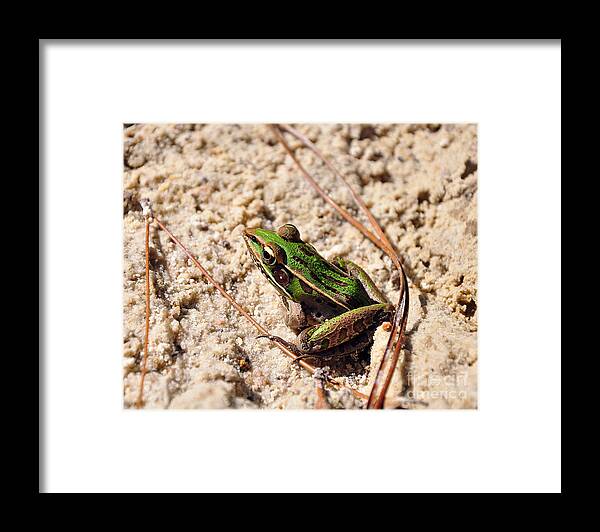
322, 278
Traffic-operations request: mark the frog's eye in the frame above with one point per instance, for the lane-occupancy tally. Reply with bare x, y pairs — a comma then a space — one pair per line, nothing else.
281, 276
268, 256
289, 232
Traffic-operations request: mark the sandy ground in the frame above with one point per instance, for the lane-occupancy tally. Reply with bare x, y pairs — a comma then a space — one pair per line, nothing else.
208, 182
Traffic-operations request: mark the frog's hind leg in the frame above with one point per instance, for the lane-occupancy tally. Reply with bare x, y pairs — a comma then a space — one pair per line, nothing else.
347, 333
355, 345
342, 329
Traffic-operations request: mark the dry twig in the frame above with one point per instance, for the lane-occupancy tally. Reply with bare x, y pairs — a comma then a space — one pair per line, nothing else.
148, 217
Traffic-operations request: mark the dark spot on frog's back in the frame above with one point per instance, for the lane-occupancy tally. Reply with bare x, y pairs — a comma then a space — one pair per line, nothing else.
333, 280
302, 262
305, 288
308, 250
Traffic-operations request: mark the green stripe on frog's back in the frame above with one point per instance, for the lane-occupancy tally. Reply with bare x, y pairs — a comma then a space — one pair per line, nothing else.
325, 278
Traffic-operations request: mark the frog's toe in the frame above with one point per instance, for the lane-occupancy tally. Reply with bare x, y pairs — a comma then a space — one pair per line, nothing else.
301, 356
281, 341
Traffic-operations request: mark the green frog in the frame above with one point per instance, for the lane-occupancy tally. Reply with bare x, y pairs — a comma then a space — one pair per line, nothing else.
333, 306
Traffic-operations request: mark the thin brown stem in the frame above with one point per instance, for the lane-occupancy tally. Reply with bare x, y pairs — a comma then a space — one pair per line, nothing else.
246, 315
343, 213
385, 372
392, 351
140, 399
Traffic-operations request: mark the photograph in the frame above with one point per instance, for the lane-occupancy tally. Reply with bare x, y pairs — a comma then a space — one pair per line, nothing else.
252, 250
300, 266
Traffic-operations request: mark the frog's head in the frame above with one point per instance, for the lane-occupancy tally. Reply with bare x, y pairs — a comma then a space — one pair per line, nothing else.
269, 251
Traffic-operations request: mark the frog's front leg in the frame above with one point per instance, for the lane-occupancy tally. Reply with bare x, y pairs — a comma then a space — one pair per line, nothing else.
358, 273
294, 315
